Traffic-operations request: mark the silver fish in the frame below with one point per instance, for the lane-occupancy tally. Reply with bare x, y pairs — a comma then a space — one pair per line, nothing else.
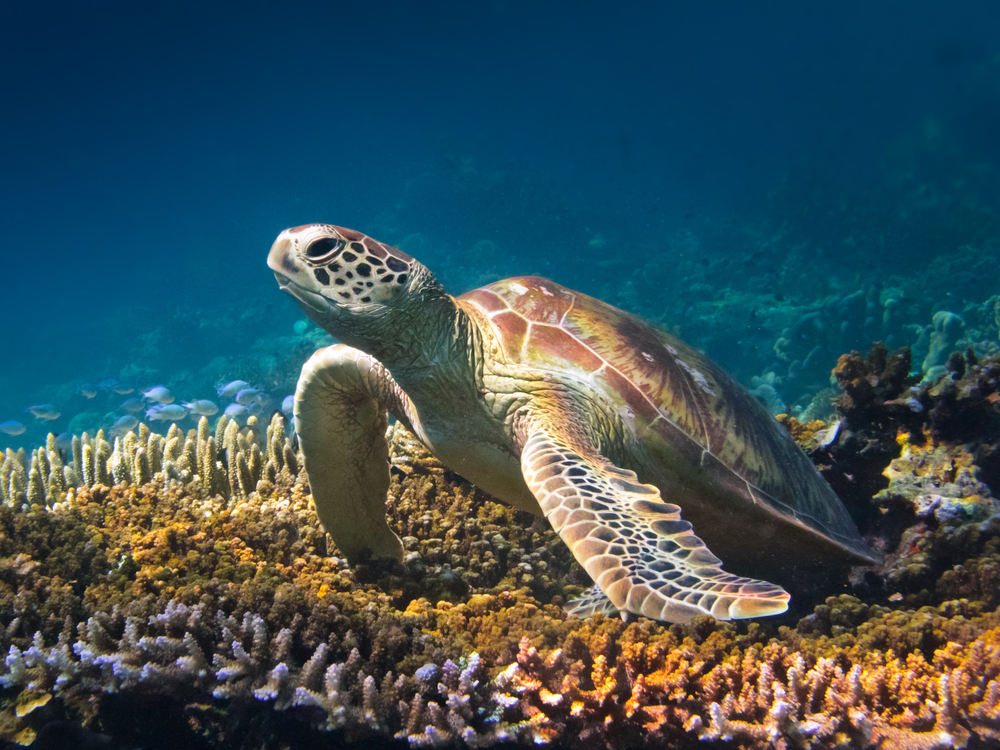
133, 405
12, 427
231, 389
88, 391
171, 412
160, 394
44, 411
202, 406
288, 405
235, 411
124, 424
247, 396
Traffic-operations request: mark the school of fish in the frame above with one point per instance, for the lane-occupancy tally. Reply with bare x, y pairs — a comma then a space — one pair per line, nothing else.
154, 404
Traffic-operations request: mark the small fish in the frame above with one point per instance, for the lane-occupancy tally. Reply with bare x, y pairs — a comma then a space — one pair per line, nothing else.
171, 412
64, 441
12, 427
133, 405
247, 396
288, 405
44, 411
107, 384
236, 411
160, 394
88, 391
202, 406
255, 409
122, 388
263, 399
123, 425
827, 436
231, 389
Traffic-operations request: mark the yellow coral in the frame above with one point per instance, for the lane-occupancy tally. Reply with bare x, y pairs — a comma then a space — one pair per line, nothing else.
854, 672
938, 479
809, 434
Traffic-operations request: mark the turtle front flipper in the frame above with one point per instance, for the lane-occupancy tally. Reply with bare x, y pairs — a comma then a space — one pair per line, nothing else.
635, 546
340, 417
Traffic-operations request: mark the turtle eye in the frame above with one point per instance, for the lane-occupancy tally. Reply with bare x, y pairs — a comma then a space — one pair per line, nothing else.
321, 248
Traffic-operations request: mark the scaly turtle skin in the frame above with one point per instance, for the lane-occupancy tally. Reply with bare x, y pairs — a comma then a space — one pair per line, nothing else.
563, 406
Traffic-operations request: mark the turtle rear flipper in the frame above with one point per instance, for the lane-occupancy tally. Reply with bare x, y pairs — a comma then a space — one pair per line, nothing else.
340, 417
591, 602
635, 546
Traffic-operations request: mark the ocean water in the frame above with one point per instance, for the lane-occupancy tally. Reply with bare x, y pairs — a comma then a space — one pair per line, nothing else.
775, 183
724, 172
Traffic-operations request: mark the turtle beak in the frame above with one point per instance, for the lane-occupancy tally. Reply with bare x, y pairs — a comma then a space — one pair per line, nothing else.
280, 258
307, 298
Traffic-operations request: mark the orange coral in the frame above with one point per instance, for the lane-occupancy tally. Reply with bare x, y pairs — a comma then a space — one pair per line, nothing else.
240, 597
807, 434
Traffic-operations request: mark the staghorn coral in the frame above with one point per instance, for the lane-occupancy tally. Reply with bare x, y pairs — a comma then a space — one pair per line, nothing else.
47, 475
659, 690
232, 613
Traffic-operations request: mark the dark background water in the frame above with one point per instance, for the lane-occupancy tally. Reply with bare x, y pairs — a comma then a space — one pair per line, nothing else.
661, 155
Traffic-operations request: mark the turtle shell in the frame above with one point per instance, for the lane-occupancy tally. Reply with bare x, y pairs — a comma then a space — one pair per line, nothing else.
707, 444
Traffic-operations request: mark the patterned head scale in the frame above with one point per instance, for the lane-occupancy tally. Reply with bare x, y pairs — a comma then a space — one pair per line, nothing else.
322, 264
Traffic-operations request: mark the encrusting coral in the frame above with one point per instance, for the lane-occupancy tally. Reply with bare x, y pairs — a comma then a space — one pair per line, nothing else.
939, 480
188, 572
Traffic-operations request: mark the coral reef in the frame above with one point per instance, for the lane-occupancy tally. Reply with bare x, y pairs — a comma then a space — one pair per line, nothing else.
187, 572
48, 475
939, 480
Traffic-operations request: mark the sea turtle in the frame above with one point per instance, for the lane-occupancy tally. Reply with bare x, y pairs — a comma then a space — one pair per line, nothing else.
564, 406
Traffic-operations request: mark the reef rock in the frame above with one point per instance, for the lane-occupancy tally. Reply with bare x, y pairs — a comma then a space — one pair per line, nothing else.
939, 480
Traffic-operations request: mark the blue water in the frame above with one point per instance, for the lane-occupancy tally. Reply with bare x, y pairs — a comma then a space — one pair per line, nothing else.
724, 169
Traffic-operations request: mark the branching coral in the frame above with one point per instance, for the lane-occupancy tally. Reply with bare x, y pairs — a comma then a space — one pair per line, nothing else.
757, 696
46, 476
230, 605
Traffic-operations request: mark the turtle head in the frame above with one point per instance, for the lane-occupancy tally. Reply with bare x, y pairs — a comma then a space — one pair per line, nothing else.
354, 287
